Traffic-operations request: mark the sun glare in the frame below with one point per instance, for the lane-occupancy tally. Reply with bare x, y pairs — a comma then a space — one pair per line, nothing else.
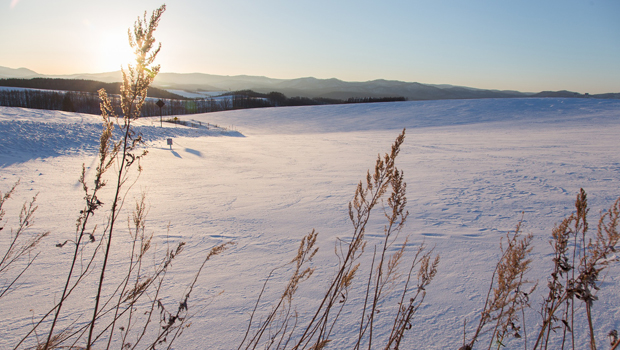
114, 52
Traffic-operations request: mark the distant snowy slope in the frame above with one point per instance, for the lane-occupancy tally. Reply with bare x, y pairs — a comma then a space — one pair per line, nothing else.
418, 114
34, 133
41, 133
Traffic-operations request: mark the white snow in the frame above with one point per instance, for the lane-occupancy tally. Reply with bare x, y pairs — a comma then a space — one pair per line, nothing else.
11, 88
197, 94
472, 168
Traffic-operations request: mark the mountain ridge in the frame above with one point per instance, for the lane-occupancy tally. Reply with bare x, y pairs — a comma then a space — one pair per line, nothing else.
306, 86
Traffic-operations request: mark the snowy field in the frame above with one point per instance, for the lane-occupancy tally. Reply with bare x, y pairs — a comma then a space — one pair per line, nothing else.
197, 94
474, 168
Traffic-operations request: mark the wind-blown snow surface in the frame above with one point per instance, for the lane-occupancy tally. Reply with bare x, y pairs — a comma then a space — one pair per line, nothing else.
474, 168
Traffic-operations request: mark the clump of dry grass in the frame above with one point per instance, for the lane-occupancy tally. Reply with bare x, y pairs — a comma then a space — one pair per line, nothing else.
128, 310
384, 276
579, 259
407, 308
280, 323
506, 296
19, 244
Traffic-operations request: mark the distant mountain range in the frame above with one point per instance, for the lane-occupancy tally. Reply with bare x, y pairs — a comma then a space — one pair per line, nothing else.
306, 87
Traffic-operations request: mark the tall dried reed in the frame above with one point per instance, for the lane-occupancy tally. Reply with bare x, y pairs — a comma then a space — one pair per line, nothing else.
579, 260
506, 296
287, 331
126, 312
17, 243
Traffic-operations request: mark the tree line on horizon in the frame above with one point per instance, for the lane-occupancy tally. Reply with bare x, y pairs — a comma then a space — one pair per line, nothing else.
252, 99
79, 85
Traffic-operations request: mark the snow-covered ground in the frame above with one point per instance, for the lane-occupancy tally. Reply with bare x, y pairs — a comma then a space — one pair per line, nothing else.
474, 168
197, 94
11, 88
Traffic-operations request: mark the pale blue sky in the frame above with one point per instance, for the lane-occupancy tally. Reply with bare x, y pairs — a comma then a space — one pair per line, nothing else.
496, 44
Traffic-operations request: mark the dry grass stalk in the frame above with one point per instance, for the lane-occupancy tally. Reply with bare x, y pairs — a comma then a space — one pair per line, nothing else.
136, 80
171, 325
19, 243
281, 321
506, 296
408, 308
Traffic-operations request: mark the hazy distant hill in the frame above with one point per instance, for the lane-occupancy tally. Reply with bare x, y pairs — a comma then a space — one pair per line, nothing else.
562, 93
306, 87
326, 88
17, 73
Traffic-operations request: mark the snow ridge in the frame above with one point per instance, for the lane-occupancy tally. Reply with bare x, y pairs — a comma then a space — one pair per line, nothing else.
27, 134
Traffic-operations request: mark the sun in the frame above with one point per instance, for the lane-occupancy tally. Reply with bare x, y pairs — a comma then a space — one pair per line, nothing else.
114, 52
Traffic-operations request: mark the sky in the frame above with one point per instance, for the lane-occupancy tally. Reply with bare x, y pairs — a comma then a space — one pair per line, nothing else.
524, 45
